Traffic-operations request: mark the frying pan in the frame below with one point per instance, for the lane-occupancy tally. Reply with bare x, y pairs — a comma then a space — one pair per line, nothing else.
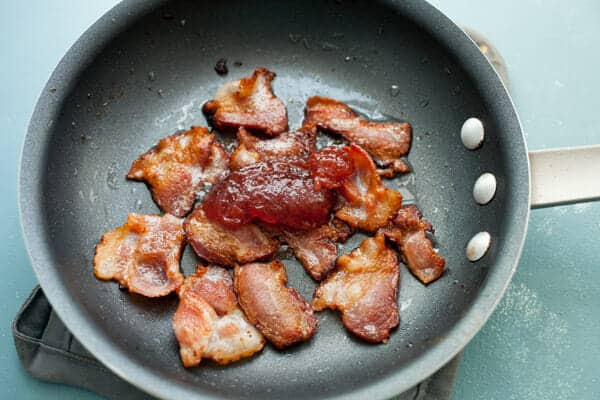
144, 70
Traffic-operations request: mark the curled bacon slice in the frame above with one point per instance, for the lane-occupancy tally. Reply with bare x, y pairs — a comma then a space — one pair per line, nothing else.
364, 287
208, 322
248, 103
407, 229
279, 312
316, 249
369, 204
178, 166
385, 141
227, 246
251, 148
142, 255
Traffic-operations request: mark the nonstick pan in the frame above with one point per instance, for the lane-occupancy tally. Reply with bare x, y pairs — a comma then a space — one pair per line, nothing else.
143, 71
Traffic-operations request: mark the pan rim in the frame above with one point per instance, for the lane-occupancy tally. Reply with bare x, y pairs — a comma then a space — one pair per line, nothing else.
31, 169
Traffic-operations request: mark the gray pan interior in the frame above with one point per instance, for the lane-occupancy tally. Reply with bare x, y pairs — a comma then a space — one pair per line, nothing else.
144, 70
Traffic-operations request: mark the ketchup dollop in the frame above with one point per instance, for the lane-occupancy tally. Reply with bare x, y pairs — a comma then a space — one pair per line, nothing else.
277, 192
330, 166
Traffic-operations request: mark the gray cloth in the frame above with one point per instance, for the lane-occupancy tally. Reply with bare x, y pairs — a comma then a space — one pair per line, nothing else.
48, 351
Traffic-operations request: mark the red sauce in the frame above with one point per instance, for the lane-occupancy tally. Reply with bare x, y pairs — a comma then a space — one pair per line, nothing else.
330, 167
277, 192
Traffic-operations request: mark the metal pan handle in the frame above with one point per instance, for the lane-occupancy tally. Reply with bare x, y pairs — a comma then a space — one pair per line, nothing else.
564, 176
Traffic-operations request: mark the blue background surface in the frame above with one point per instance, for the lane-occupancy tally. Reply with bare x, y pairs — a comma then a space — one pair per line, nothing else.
543, 341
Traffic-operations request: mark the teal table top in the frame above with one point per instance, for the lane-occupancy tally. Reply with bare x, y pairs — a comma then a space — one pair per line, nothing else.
543, 341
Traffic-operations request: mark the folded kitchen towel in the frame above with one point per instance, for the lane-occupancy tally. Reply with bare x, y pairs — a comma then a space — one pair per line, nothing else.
48, 351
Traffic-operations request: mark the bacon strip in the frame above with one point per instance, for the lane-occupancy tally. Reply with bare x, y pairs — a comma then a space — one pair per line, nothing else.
316, 249
252, 149
180, 165
407, 230
279, 312
369, 204
386, 142
248, 103
227, 246
208, 322
143, 254
364, 287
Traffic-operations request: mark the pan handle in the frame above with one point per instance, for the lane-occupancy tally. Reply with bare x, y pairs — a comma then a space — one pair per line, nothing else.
564, 176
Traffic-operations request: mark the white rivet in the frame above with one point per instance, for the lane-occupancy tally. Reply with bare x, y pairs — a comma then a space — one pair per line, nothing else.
484, 188
478, 246
472, 133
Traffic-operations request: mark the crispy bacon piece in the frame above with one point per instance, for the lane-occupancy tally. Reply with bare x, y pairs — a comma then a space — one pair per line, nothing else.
316, 248
364, 287
248, 103
178, 166
385, 141
215, 285
407, 229
279, 312
227, 246
342, 230
218, 164
142, 255
251, 148
208, 322
389, 170
369, 204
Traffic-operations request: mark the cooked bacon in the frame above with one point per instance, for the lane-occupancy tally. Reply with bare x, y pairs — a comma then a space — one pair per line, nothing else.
142, 255
389, 170
385, 141
215, 285
208, 322
342, 230
279, 312
407, 229
251, 148
227, 246
218, 164
316, 248
369, 204
248, 103
364, 287
180, 165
